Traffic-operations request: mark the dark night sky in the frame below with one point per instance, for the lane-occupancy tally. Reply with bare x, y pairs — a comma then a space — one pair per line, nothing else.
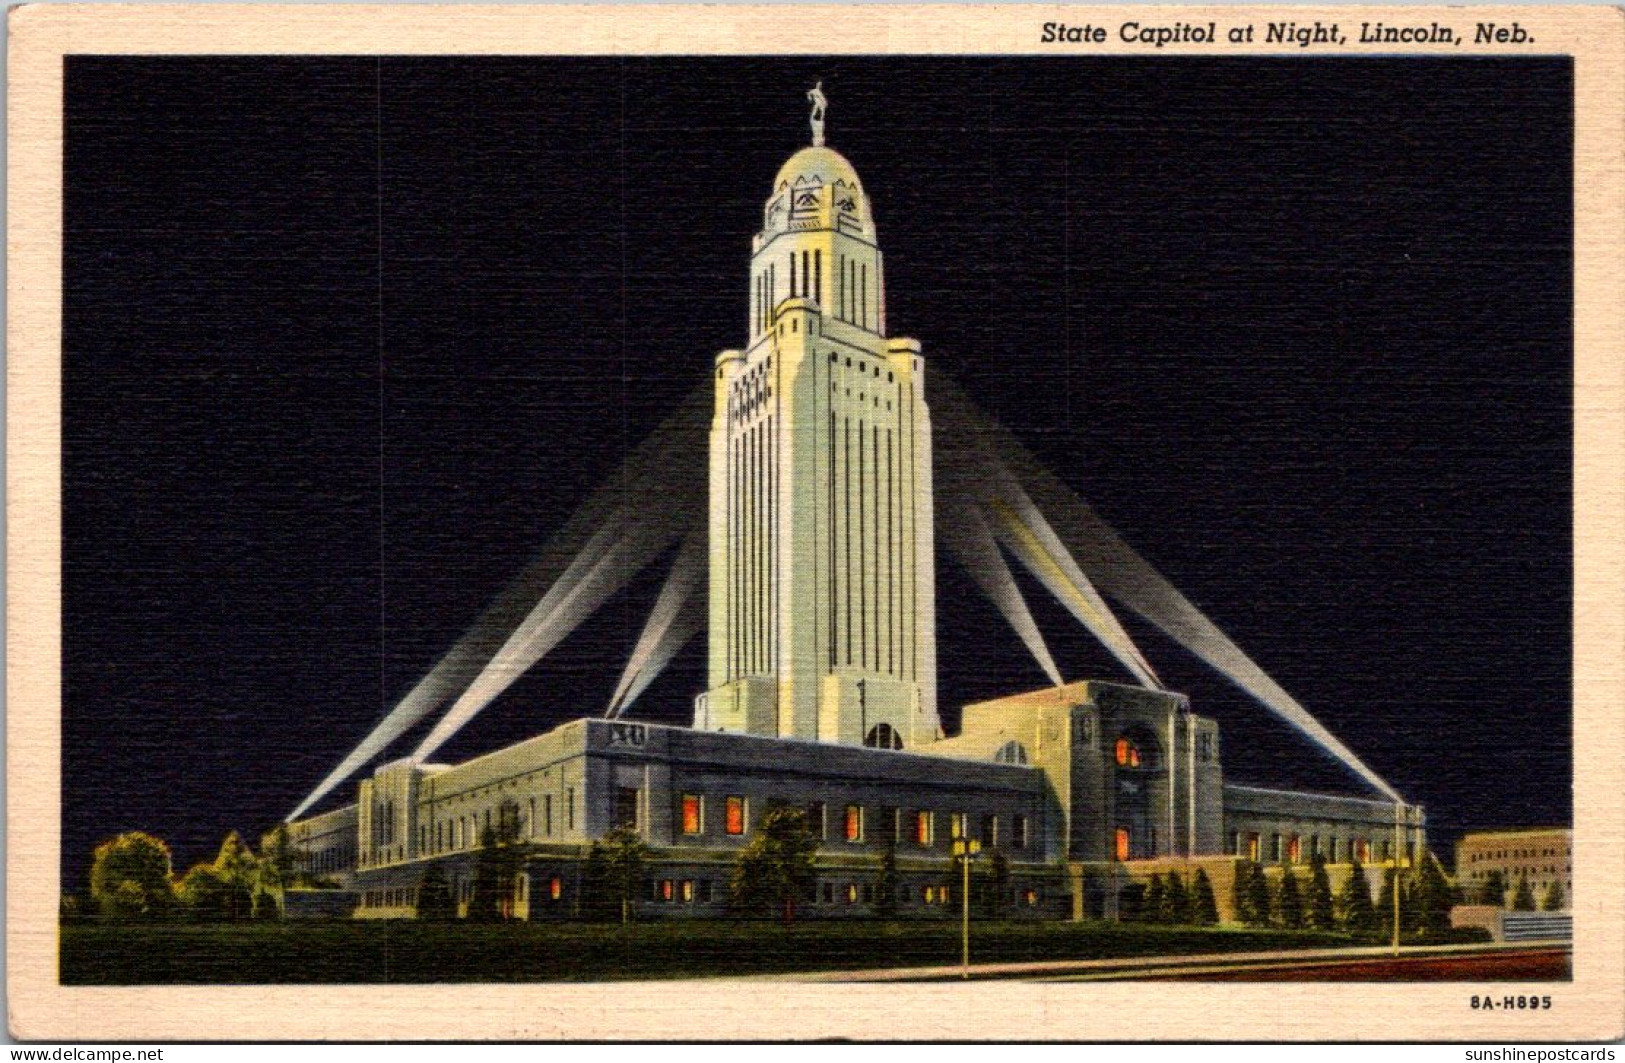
344, 340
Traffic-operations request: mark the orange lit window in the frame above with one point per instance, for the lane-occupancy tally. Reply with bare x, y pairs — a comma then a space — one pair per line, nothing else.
736, 815
666, 889
691, 814
854, 823
1362, 850
1031, 897
1294, 849
555, 889
1252, 846
922, 827
1122, 843
1128, 754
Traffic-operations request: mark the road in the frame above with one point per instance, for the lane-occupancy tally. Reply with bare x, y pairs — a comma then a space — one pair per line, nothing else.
1532, 962
1515, 965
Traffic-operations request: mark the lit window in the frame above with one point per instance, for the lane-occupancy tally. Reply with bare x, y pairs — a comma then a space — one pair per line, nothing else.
1128, 754
956, 825
922, 827
688, 891
930, 895
555, 888
1122, 843
736, 815
853, 823
851, 893
691, 814
1031, 897
667, 889
1362, 850
1294, 849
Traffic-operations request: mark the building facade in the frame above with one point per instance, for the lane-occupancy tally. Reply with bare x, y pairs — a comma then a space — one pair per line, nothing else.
822, 599
1078, 787
1540, 856
822, 674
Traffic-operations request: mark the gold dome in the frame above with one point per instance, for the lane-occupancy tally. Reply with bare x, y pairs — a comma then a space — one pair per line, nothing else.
822, 166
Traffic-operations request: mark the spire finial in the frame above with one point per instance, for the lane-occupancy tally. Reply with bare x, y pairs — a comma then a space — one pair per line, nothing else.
818, 105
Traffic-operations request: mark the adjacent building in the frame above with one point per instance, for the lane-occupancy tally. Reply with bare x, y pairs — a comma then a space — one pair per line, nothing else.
1539, 856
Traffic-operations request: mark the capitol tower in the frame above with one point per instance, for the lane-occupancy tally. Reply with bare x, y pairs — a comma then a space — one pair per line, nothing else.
822, 613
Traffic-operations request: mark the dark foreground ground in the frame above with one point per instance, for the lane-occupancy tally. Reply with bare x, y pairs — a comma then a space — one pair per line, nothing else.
101, 954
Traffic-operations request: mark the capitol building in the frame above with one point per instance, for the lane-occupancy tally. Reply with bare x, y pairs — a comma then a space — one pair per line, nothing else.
819, 597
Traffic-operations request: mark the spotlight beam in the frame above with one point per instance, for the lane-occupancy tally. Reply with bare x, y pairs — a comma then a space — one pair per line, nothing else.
654, 650
637, 544
1057, 570
672, 457
1120, 572
968, 539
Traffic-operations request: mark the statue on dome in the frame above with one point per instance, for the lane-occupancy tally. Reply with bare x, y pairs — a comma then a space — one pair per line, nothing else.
818, 105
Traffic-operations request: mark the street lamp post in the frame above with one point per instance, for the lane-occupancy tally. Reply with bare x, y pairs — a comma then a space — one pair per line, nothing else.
1399, 841
965, 849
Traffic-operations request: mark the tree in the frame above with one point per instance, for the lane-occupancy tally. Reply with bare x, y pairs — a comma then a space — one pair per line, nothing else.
130, 902
1494, 890
886, 882
1385, 901
1524, 899
435, 904
1289, 908
1258, 896
1240, 903
1176, 901
1554, 901
1354, 901
1204, 906
624, 857
998, 886
496, 866
1155, 909
1250, 894
265, 907
1322, 915
1131, 902
1431, 896
139, 861
598, 901
776, 867
279, 861
208, 894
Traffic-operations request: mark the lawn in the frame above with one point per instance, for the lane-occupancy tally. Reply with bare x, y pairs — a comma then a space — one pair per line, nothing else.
346, 952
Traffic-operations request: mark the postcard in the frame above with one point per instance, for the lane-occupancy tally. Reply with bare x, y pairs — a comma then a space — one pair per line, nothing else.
1104, 521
